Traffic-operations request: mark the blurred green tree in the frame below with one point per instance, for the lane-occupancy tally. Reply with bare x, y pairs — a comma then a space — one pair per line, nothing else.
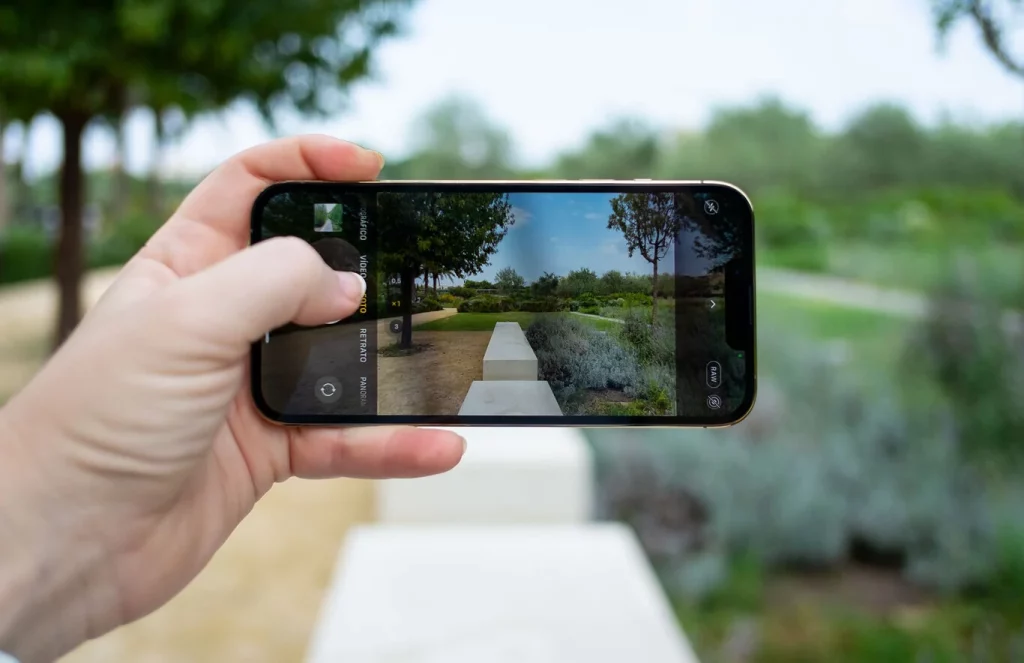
545, 286
612, 281
82, 62
509, 281
578, 282
765, 145
882, 147
456, 140
625, 149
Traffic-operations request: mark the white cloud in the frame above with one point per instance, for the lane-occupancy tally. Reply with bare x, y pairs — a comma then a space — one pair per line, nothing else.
593, 216
521, 216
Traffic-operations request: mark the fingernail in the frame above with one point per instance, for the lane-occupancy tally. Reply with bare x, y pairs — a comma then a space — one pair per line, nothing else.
353, 287
464, 445
380, 157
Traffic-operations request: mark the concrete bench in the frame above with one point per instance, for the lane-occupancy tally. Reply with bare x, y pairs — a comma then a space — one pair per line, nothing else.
522, 594
508, 475
510, 398
509, 355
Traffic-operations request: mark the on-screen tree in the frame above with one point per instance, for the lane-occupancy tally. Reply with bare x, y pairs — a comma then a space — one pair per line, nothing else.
650, 222
454, 233
509, 281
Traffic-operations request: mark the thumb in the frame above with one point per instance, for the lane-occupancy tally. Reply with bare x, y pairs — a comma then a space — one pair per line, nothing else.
265, 286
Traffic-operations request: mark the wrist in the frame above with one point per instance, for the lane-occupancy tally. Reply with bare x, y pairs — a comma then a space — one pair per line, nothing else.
46, 568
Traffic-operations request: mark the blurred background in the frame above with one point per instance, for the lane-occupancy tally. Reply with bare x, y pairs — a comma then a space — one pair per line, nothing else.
872, 508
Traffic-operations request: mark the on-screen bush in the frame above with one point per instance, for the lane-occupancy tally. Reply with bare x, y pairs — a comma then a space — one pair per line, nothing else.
573, 357
486, 304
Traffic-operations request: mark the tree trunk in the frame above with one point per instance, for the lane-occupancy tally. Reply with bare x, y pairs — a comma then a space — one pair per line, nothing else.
154, 190
5, 198
408, 285
69, 258
654, 295
435, 285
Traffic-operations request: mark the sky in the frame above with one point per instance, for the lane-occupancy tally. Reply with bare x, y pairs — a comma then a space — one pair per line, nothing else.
553, 70
559, 233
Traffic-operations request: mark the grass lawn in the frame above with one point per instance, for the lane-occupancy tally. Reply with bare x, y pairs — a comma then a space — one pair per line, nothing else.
875, 342
486, 321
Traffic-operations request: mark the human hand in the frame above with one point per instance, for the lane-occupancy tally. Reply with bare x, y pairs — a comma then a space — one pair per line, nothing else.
135, 452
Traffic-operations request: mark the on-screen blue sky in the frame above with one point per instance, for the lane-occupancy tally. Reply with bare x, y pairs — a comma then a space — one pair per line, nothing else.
561, 232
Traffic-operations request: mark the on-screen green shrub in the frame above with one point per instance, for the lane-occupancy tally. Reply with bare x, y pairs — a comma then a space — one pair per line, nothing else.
462, 292
486, 304
591, 310
542, 305
449, 300
427, 304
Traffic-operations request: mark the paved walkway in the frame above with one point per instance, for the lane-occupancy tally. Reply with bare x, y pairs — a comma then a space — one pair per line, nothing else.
854, 294
835, 290
598, 317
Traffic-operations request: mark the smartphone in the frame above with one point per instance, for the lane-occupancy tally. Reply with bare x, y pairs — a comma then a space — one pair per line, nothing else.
545, 303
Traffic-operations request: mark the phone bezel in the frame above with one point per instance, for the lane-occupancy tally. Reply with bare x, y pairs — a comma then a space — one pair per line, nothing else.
524, 186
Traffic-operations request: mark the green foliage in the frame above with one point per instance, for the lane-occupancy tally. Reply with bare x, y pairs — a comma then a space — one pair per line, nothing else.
545, 286
427, 304
449, 300
612, 281
509, 281
478, 285
486, 304
545, 305
456, 140
462, 292
650, 222
456, 234
577, 282
631, 299
27, 253
625, 149
970, 349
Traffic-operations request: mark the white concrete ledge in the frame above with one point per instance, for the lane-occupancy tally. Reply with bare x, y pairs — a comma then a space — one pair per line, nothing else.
509, 355
510, 398
514, 594
507, 475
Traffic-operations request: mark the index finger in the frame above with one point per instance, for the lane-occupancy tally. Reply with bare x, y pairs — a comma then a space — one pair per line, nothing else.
213, 220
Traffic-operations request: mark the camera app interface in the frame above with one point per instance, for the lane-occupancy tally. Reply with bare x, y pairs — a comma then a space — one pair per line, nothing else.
505, 303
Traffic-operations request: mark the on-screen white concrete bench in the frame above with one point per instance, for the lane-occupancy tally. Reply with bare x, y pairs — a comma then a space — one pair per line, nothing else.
508, 475
510, 398
513, 594
509, 355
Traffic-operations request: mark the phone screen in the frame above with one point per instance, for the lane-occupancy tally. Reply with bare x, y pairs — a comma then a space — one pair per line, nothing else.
518, 303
